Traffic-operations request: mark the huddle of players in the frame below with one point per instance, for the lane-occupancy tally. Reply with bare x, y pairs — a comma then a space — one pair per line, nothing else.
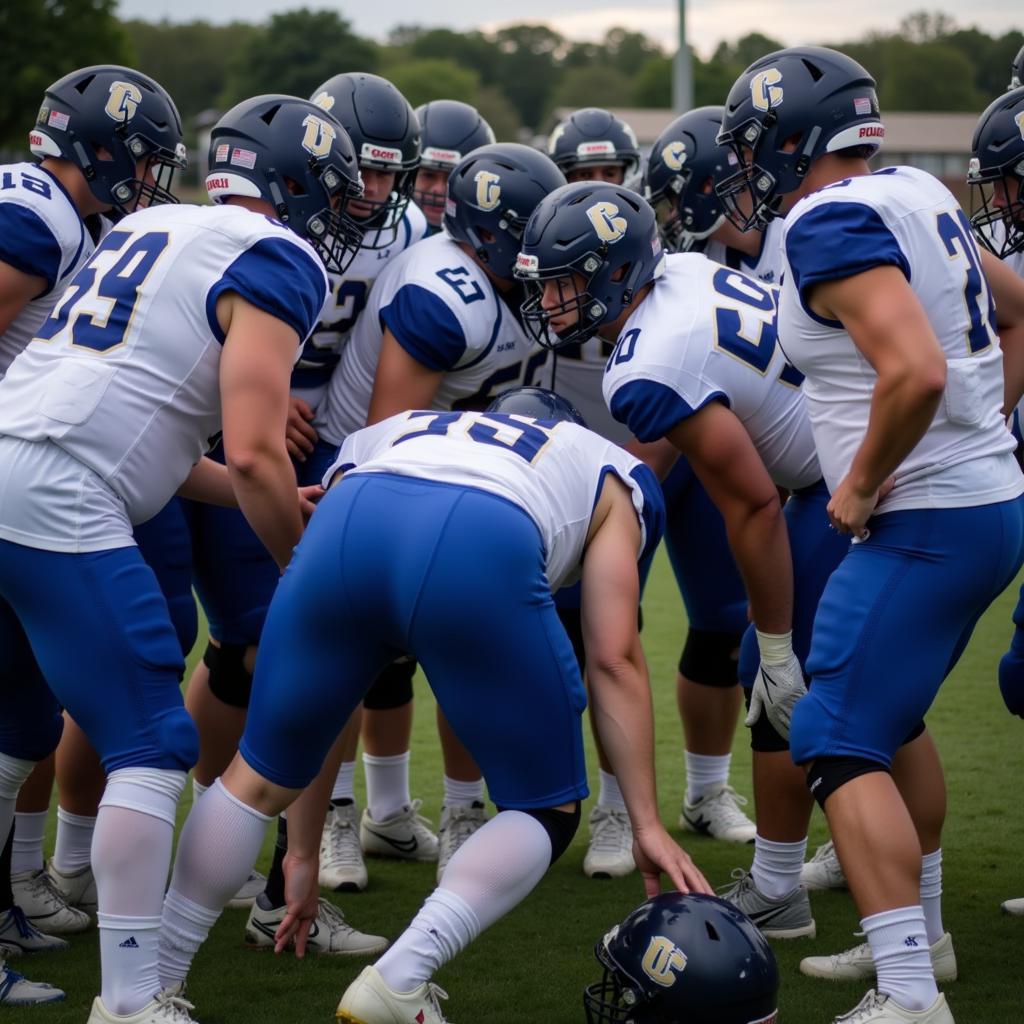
428, 345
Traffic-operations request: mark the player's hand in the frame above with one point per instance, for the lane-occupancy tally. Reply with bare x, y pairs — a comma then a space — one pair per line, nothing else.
300, 436
656, 852
779, 683
302, 900
308, 499
850, 508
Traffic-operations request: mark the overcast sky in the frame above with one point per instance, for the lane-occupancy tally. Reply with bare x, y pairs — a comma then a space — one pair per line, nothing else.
708, 21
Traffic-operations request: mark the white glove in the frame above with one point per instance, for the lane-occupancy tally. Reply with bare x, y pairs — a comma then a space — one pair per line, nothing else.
779, 683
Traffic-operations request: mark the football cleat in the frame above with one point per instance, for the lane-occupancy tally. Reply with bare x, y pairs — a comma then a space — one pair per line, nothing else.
458, 823
45, 906
785, 918
167, 1007
251, 888
330, 932
823, 870
341, 857
18, 935
17, 990
368, 1000
718, 814
406, 835
856, 964
876, 1008
610, 850
1015, 907
77, 887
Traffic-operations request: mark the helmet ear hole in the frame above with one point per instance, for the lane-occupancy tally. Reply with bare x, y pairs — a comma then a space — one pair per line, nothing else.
712, 932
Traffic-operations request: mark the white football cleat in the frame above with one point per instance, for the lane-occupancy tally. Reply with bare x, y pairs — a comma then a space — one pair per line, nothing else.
856, 964
718, 814
406, 835
17, 990
823, 870
251, 888
167, 1007
45, 906
1015, 907
330, 932
368, 1000
610, 850
77, 887
18, 935
458, 823
341, 857
875, 1008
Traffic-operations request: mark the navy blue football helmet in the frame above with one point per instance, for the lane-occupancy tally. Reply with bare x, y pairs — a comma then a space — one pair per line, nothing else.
684, 959
538, 404
996, 175
491, 194
297, 157
685, 165
126, 114
785, 111
600, 243
386, 134
590, 137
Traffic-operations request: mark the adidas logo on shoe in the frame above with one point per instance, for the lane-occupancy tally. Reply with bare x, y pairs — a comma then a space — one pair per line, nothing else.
128, 943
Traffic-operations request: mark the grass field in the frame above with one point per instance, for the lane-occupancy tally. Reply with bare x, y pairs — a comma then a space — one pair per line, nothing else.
533, 965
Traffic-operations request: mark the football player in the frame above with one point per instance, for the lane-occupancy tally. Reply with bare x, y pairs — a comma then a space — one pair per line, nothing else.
451, 130
594, 145
885, 309
509, 506
102, 421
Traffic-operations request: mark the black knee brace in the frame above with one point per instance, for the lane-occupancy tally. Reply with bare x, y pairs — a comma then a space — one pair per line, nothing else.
560, 826
711, 658
826, 774
392, 688
230, 681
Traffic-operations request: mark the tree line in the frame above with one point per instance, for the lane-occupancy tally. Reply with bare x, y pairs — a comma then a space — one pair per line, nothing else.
516, 76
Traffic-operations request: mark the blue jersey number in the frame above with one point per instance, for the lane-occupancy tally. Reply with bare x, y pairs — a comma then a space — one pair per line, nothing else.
349, 302
625, 349
509, 376
28, 182
119, 286
956, 237
458, 278
519, 435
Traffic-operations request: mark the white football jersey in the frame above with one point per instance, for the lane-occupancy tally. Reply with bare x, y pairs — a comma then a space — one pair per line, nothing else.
123, 378
766, 266
576, 373
553, 471
349, 292
901, 217
443, 310
41, 234
707, 333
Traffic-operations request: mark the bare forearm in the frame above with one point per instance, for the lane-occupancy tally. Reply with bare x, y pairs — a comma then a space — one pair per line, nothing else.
760, 546
266, 492
209, 482
306, 815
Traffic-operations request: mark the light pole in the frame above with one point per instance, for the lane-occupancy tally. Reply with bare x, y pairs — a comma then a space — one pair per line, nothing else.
682, 69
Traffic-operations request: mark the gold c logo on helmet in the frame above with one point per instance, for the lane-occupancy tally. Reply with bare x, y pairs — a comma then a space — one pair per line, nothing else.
765, 90
662, 960
319, 136
674, 155
125, 98
324, 100
610, 227
488, 191
1019, 121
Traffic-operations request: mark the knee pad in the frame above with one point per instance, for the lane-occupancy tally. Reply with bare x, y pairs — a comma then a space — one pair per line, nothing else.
914, 733
13, 773
826, 774
392, 688
710, 658
230, 680
763, 736
560, 826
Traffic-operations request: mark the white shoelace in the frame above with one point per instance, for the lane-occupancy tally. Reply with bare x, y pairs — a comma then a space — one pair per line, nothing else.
863, 1010
611, 831
728, 803
174, 1008
343, 842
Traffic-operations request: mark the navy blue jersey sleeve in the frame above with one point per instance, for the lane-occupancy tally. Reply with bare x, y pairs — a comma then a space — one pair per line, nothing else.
27, 244
424, 325
278, 277
653, 512
651, 410
837, 240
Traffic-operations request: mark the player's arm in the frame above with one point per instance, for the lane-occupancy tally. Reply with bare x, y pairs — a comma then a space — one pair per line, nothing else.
17, 290
210, 482
619, 685
728, 465
890, 328
660, 455
1008, 293
255, 372
402, 382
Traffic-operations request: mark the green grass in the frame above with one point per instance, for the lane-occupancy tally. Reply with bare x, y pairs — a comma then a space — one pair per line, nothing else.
532, 966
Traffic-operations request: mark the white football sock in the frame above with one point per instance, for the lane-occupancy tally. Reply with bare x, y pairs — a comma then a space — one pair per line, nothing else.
219, 844
387, 784
899, 947
198, 789
931, 894
704, 771
73, 850
463, 794
131, 853
609, 795
27, 851
345, 782
493, 871
13, 773
776, 868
